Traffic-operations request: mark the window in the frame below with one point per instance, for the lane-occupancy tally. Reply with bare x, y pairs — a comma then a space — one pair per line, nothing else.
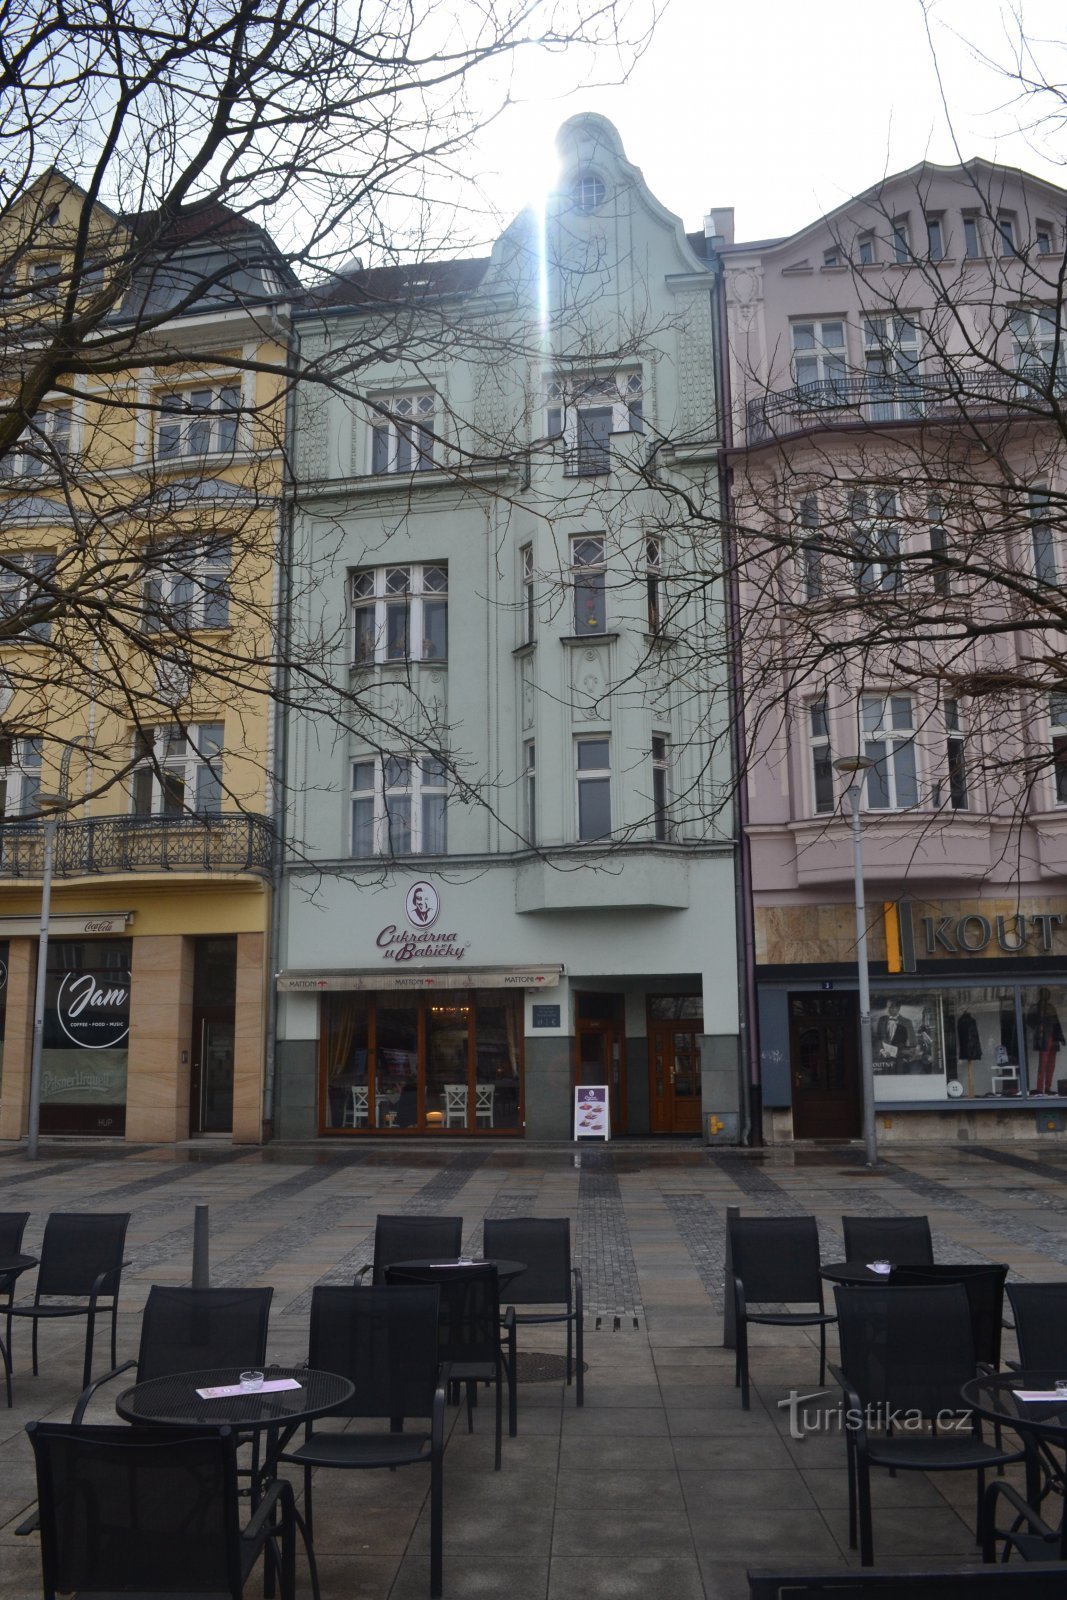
935, 239
179, 771
876, 540
45, 277
402, 439
594, 787
822, 768
42, 447
956, 756
810, 557
819, 352
199, 422
529, 756
529, 595
972, 239
1043, 236
400, 614
865, 250
901, 253
654, 584
661, 819
891, 357
888, 728
187, 585
940, 570
588, 192
24, 594
1057, 712
1042, 537
398, 806
1037, 342
831, 258
20, 777
585, 413
587, 565
1006, 233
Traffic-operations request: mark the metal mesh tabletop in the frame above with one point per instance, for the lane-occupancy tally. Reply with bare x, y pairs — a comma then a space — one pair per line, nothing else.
174, 1402
12, 1265
505, 1270
997, 1398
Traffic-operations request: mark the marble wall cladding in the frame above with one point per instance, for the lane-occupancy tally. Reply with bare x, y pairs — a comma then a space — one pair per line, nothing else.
979, 928
249, 1019
161, 1015
18, 1040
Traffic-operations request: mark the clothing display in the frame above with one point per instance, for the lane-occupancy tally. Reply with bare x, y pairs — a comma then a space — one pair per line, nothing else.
968, 1041
1046, 1038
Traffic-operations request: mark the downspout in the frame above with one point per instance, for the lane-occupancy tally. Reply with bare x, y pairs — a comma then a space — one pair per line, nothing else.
751, 1109
279, 766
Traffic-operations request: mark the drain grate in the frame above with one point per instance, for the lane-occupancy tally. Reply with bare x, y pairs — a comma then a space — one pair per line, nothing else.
537, 1366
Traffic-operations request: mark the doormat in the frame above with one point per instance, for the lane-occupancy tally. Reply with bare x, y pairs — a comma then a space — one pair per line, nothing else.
535, 1366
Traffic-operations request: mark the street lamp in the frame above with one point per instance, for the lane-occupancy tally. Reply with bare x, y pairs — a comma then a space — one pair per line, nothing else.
855, 767
50, 806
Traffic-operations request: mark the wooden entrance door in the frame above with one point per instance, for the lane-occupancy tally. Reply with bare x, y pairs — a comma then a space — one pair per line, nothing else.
824, 1065
675, 1024
601, 1049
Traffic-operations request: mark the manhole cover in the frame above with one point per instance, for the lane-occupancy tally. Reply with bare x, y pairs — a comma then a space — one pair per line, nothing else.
534, 1366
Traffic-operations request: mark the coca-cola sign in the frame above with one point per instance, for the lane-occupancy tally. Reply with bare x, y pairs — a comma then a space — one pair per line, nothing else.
93, 1009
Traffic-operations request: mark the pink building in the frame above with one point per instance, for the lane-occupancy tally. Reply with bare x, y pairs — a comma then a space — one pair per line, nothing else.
897, 398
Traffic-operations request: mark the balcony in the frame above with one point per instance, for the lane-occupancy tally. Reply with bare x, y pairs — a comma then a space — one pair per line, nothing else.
589, 460
940, 395
101, 845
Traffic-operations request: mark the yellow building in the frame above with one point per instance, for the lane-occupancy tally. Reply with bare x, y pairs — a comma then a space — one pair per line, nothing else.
141, 418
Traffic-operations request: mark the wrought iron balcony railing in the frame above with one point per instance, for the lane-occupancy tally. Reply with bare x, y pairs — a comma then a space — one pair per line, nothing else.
97, 845
951, 392
590, 460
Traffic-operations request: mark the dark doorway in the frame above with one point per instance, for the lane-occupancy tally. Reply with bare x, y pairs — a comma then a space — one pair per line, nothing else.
601, 1049
823, 1065
211, 1046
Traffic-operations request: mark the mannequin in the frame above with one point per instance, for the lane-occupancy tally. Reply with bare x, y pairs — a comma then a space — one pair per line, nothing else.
968, 1046
1046, 1037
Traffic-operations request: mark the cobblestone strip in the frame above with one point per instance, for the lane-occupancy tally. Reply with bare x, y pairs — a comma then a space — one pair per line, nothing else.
1028, 1234
602, 1241
702, 1229
775, 1201
867, 1203
255, 1261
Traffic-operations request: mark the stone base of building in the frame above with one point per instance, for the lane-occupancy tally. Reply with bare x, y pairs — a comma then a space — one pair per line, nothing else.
944, 1127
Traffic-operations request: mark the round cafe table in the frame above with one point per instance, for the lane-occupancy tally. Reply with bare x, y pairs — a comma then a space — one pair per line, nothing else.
852, 1273
506, 1271
10, 1268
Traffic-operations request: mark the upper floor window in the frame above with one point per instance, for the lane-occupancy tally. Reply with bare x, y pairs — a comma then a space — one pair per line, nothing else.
588, 567
198, 422
654, 584
1057, 712
187, 585
901, 252
400, 614
661, 800
402, 436
956, 756
810, 555
178, 771
529, 763
891, 358
831, 258
819, 351
972, 238
529, 595
888, 727
1043, 238
588, 192
1043, 537
593, 774
865, 250
876, 539
25, 597
942, 572
1006, 242
822, 767
20, 777
935, 239
584, 413
399, 806
1036, 341
43, 446
46, 277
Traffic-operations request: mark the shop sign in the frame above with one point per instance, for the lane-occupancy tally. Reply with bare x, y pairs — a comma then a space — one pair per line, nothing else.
422, 907
972, 933
94, 1011
545, 1016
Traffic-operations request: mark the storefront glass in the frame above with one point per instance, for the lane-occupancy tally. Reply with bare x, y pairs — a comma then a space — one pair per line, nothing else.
946, 1044
86, 1036
440, 1063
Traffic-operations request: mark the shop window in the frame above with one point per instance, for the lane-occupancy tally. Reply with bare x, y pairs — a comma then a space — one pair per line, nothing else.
888, 725
945, 1044
86, 1036
178, 771
198, 421
1044, 1017
402, 435
593, 764
584, 413
26, 596
590, 578
399, 806
661, 798
400, 614
187, 585
20, 777
822, 768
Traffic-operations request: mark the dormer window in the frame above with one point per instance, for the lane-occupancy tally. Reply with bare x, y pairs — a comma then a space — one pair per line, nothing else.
589, 193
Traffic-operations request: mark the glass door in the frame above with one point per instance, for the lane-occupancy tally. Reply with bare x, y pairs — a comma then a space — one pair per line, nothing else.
212, 1052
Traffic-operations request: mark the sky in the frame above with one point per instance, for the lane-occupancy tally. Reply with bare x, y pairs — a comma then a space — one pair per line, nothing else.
785, 108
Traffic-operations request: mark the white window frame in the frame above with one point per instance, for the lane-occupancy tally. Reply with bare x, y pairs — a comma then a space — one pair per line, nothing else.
176, 762
1045, 556
654, 584
818, 360
940, 572
20, 573
892, 358
577, 409
1044, 238
46, 278
876, 542
661, 787
956, 783
1037, 341
529, 594
589, 582
589, 776
187, 585
402, 434
899, 241
382, 789
1057, 716
196, 420
812, 576
866, 253
43, 446
820, 758
935, 236
894, 784
529, 790
391, 609
1007, 233
20, 777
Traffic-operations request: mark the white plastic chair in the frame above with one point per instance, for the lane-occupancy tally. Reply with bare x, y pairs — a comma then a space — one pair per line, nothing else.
484, 1094
357, 1111
455, 1104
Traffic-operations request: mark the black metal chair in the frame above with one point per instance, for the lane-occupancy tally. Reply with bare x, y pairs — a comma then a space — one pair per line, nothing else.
386, 1342
905, 1355
81, 1259
12, 1227
191, 1330
471, 1333
412, 1239
1028, 1535
984, 1286
904, 1583
903, 1239
1040, 1312
152, 1512
775, 1262
544, 1243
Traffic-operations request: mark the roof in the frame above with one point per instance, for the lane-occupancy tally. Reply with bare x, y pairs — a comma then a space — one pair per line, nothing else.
416, 282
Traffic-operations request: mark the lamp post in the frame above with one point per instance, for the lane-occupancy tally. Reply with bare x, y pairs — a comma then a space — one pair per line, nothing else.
50, 806
855, 767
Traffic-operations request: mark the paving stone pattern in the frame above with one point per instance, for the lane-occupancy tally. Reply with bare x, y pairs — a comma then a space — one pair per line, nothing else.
660, 1488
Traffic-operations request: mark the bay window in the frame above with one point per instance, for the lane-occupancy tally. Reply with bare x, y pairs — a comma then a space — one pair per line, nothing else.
888, 729
400, 614
399, 806
198, 421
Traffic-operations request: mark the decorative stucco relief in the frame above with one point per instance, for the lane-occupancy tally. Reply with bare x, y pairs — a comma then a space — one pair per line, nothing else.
589, 682
696, 364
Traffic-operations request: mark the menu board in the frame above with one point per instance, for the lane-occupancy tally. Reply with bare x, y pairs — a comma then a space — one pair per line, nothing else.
591, 1118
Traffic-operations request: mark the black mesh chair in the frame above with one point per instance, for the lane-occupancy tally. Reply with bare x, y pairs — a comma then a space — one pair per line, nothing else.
12, 1227
775, 1263
81, 1259
1027, 1534
151, 1512
909, 1583
412, 1239
470, 1331
1040, 1312
386, 1342
544, 1243
903, 1239
191, 1330
905, 1355
984, 1286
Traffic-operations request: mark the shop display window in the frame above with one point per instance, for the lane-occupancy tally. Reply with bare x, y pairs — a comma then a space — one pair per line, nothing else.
950, 1044
1044, 1018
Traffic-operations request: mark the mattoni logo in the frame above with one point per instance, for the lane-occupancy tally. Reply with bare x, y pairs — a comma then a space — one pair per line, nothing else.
422, 905
94, 1016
